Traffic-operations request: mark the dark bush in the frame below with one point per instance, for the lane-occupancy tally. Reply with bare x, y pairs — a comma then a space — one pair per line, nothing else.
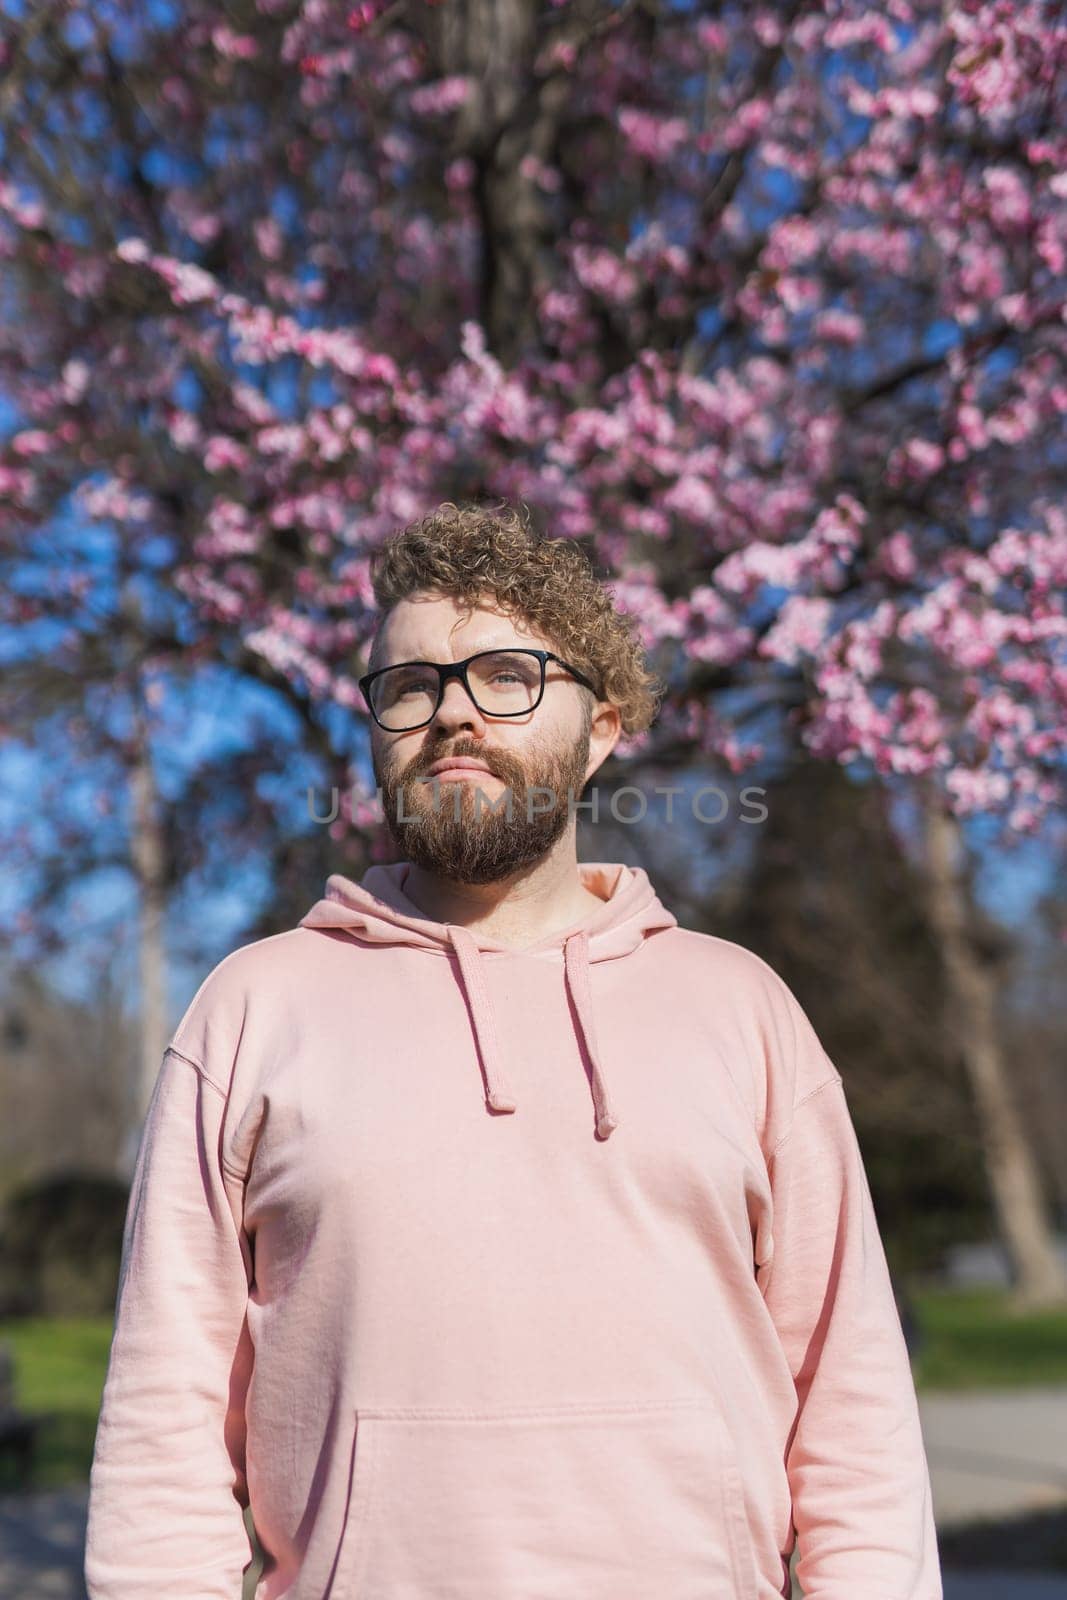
60, 1246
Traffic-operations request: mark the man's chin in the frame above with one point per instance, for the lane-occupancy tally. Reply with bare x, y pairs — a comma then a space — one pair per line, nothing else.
475, 794
477, 846
456, 862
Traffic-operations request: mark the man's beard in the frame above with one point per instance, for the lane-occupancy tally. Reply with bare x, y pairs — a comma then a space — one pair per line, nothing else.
470, 838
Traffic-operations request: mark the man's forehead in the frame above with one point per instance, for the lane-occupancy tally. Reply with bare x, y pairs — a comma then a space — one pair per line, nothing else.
422, 634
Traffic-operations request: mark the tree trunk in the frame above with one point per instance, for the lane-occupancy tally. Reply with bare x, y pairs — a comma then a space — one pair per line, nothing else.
1024, 1224
512, 116
148, 857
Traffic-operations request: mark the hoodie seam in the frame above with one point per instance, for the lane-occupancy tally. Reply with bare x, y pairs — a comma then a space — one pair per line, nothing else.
197, 1067
227, 1166
827, 1083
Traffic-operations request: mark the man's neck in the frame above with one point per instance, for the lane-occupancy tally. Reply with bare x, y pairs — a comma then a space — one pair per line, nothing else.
518, 912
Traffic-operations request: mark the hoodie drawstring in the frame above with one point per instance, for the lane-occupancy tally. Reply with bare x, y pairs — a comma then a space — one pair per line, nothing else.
470, 965
576, 967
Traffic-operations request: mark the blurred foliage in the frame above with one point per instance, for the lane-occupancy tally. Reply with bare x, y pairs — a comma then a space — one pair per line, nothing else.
61, 1246
60, 1365
835, 905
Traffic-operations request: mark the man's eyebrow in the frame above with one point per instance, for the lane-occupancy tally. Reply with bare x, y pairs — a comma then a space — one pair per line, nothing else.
490, 644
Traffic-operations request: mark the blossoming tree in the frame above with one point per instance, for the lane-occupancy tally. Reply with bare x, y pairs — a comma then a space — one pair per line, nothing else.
763, 303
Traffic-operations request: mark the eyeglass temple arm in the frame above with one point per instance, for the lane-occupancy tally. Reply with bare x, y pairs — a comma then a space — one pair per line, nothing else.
575, 673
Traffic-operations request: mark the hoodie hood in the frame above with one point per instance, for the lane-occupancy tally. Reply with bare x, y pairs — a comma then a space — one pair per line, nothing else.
377, 911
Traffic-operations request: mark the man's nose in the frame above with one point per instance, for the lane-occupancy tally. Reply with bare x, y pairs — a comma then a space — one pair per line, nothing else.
458, 710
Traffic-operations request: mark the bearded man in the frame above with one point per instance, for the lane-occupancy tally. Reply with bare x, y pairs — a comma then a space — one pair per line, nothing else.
493, 1237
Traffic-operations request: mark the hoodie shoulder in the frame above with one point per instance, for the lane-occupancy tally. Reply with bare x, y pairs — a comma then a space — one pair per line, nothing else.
762, 1014
731, 958
213, 1022
734, 965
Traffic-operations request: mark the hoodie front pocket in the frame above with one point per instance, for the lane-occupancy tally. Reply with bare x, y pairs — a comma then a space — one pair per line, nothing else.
620, 1502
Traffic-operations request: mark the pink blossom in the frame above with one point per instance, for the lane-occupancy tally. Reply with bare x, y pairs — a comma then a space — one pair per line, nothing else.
636, 593
185, 431
713, 631
654, 137
17, 487
75, 380
746, 570
132, 250
711, 35
919, 721
884, 248
976, 789
560, 53
972, 426
865, 28
536, 171
983, 271
798, 293
998, 715
228, 531
269, 240
918, 459
861, 647
188, 284
1013, 422
835, 326
1009, 199
360, 16
653, 521
221, 452
800, 629
112, 501
847, 724
439, 98
284, 439
897, 556
30, 442
235, 46
602, 272
745, 122
26, 213
692, 497
790, 242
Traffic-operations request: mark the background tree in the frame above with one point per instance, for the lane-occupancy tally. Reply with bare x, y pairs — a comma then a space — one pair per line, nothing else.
835, 903
764, 304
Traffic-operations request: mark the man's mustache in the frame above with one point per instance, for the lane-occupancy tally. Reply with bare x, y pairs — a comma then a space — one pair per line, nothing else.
418, 771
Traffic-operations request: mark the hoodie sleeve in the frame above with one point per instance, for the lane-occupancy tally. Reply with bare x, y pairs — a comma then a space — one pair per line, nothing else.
856, 1462
167, 1485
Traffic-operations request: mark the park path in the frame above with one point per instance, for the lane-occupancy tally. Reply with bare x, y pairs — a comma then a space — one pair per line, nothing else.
995, 1454
42, 1537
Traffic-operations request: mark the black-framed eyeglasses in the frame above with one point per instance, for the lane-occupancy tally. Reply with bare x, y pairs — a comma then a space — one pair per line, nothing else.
502, 683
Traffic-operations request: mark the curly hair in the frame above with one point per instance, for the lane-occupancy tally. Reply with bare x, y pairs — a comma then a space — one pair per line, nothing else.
470, 552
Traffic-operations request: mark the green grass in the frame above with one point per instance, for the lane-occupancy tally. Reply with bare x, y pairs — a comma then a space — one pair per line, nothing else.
970, 1341
60, 1365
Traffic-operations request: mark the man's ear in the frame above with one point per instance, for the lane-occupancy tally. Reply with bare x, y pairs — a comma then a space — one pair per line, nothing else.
605, 730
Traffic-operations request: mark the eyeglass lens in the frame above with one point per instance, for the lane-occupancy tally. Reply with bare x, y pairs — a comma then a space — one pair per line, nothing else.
503, 683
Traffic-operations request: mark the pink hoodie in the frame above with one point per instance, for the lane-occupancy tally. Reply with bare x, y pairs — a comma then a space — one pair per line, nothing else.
485, 1274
